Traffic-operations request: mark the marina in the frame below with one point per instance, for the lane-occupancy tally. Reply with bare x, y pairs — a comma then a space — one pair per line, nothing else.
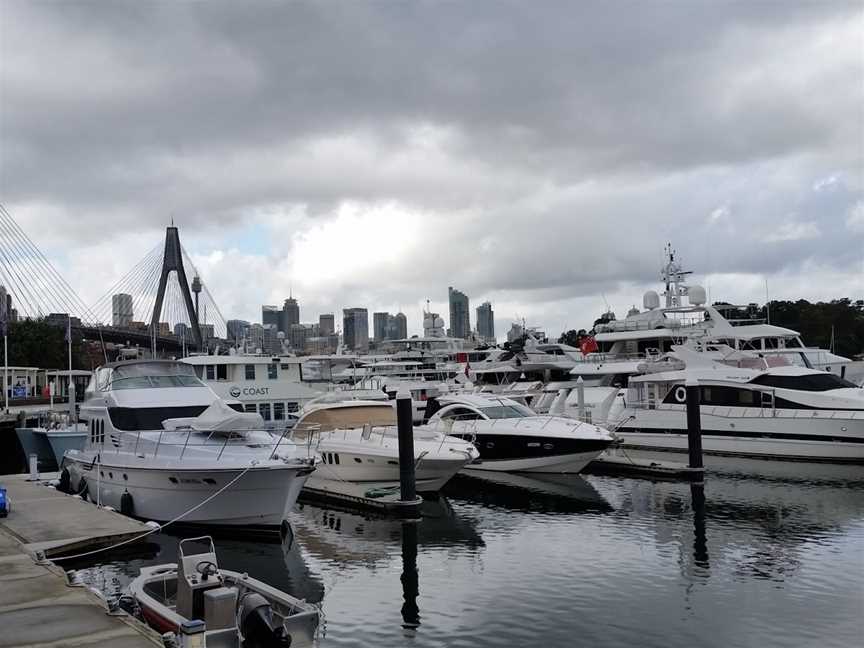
425, 325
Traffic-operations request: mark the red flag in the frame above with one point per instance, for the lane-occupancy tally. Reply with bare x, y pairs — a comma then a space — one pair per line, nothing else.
588, 345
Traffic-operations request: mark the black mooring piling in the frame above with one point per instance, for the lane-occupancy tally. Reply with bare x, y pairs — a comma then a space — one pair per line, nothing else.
405, 424
694, 425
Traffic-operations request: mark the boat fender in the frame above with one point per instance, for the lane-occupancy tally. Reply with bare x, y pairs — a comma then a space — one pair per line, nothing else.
64, 485
680, 394
255, 622
83, 490
127, 505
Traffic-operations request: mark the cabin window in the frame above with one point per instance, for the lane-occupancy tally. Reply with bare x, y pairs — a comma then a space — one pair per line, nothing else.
250, 407
199, 371
292, 406
272, 371
249, 371
222, 372
279, 411
462, 414
211, 372
808, 382
264, 411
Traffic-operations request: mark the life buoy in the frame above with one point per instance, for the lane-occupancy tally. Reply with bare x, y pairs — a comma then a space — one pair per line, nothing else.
681, 394
127, 504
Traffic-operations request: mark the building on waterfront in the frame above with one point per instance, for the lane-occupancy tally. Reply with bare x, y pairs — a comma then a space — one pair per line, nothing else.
183, 331
300, 334
327, 324
355, 328
380, 322
460, 318
399, 327
290, 315
271, 316
121, 310
486, 322
237, 329
164, 329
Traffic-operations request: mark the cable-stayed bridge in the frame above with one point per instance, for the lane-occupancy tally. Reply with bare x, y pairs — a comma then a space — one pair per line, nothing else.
161, 300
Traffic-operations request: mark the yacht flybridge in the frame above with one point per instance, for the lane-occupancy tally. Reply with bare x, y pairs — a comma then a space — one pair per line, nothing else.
162, 445
623, 344
750, 405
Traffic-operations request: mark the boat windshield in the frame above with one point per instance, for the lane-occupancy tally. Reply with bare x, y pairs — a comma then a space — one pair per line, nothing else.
144, 375
506, 411
807, 382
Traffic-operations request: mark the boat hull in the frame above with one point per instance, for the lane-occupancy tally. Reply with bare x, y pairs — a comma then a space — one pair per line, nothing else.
817, 437
569, 463
383, 471
261, 496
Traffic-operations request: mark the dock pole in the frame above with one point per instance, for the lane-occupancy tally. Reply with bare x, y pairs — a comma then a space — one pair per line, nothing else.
405, 425
694, 424
580, 395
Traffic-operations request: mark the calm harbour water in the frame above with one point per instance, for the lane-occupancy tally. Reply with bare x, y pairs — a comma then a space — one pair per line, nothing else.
776, 558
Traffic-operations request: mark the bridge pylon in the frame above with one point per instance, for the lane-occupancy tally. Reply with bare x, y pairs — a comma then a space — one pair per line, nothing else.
173, 262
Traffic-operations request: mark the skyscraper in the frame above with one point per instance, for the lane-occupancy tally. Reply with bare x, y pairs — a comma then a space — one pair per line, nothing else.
121, 310
460, 318
326, 324
355, 328
379, 326
237, 329
271, 315
399, 326
486, 322
290, 315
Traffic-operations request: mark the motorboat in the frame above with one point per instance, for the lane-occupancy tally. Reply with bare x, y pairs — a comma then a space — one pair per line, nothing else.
511, 437
237, 611
163, 446
51, 438
358, 443
751, 405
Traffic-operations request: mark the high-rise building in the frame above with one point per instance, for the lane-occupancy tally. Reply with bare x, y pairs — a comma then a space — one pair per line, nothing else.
460, 318
327, 324
271, 316
4, 305
121, 310
355, 328
182, 331
380, 326
237, 329
486, 322
290, 315
399, 327
297, 336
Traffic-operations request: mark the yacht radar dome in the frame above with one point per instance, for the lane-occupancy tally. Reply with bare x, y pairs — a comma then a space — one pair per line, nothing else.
696, 294
651, 300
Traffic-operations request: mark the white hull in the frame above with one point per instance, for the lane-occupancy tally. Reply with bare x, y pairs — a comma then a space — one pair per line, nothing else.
787, 435
571, 463
430, 476
262, 496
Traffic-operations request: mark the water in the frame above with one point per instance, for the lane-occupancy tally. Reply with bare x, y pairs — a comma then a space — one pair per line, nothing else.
775, 558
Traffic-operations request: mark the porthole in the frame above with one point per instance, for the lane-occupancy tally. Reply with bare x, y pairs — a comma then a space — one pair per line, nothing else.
358, 460
548, 446
210, 480
490, 444
173, 480
533, 444
110, 475
337, 458
125, 477
393, 463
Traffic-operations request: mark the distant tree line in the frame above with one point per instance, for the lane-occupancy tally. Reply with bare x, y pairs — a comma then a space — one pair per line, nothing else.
36, 343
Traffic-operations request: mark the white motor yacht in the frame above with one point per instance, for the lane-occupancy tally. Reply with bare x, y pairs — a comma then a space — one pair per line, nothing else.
750, 405
511, 437
358, 443
162, 445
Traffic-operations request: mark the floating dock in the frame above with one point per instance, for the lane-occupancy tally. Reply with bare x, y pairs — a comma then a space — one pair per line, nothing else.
384, 501
38, 607
619, 462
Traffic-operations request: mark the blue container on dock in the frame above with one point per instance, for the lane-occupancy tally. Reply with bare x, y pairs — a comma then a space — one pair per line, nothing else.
4, 503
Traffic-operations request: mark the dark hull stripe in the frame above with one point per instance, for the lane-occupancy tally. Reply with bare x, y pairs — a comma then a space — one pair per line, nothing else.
749, 435
508, 447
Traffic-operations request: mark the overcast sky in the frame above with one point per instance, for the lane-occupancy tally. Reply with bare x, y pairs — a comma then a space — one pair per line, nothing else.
538, 155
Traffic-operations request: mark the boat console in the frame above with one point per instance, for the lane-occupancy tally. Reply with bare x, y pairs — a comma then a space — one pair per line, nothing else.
201, 593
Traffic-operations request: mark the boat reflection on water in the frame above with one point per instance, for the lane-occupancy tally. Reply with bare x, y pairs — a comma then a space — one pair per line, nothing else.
546, 493
356, 540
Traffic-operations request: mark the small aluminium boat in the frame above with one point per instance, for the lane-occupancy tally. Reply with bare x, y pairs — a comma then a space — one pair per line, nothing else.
237, 610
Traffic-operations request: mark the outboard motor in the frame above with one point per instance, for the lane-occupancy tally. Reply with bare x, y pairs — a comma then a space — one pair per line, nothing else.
255, 623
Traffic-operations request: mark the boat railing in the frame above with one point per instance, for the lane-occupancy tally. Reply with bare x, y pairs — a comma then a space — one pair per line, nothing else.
603, 358
234, 438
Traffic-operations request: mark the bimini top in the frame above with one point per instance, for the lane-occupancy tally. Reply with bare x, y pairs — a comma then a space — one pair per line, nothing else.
135, 374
